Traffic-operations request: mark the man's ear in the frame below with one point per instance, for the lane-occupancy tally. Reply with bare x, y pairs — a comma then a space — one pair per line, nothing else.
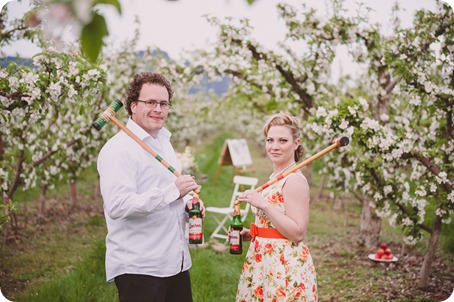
133, 107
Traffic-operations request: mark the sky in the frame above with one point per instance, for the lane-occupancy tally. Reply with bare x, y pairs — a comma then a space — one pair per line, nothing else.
176, 26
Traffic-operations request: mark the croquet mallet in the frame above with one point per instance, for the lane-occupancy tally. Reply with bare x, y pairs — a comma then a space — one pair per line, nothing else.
109, 115
340, 142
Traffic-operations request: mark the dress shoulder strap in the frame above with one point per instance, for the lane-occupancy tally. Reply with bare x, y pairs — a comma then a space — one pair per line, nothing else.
295, 173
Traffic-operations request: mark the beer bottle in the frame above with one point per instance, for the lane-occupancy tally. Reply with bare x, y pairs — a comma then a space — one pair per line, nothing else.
195, 222
236, 226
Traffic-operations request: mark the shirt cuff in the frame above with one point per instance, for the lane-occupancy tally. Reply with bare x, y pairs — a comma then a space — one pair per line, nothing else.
171, 193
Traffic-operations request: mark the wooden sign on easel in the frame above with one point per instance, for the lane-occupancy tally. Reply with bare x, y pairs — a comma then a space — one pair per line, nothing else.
235, 152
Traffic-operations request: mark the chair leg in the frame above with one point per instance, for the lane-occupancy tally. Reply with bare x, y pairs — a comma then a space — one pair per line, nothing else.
216, 230
221, 225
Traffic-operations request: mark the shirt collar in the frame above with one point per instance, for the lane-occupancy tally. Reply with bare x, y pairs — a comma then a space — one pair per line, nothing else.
142, 134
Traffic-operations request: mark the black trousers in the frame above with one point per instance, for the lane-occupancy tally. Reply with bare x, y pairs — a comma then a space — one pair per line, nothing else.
143, 288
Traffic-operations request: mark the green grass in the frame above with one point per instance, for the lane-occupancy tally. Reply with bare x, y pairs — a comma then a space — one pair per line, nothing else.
214, 276
86, 282
64, 260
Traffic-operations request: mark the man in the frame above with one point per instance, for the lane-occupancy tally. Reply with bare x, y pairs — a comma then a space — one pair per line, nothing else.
145, 205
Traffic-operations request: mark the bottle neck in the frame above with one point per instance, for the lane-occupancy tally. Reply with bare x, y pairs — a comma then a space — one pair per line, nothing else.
236, 210
195, 203
237, 214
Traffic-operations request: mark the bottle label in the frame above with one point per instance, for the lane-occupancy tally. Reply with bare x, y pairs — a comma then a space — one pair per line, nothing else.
195, 229
235, 240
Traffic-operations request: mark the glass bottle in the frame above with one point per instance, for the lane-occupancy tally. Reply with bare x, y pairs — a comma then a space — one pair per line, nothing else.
195, 222
236, 226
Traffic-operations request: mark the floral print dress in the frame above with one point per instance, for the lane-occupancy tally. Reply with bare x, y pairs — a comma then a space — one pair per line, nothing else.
276, 269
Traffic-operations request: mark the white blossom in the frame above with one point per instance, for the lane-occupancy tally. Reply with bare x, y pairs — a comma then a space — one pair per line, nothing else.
410, 240
321, 112
387, 189
441, 177
363, 103
370, 124
13, 83
54, 90
451, 196
384, 117
420, 191
392, 220
343, 125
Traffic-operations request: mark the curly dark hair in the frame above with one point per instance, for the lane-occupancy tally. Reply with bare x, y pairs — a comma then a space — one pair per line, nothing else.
145, 78
286, 119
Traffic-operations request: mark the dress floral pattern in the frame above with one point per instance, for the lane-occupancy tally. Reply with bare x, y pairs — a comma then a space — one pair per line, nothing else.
276, 269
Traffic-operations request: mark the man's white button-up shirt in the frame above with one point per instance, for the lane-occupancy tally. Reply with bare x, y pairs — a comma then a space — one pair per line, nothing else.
146, 222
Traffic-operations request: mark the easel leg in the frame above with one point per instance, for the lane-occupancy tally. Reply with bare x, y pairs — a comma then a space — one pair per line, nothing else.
215, 181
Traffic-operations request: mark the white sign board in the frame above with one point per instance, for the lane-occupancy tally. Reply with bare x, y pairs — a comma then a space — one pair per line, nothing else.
235, 152
239, 152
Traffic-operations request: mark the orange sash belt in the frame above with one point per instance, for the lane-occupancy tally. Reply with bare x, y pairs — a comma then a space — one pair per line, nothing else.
265, 232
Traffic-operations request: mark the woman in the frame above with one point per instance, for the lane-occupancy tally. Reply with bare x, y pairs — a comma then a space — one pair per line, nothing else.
278, 265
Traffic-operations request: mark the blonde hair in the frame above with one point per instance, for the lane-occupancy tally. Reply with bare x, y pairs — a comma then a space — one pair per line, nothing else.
288, 120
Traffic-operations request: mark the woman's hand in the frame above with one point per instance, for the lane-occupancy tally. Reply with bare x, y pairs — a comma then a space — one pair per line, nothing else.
246, 234
254, 198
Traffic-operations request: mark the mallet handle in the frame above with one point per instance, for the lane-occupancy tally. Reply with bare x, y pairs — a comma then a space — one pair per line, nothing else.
336, 144
146, 147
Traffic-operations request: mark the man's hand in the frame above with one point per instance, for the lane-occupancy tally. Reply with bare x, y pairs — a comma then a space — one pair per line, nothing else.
202, 206
185, 184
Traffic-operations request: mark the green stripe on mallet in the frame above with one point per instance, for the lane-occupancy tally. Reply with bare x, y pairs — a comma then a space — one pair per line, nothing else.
105, 116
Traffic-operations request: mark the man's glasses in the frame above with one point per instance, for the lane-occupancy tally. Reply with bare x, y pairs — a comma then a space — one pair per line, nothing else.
152, 104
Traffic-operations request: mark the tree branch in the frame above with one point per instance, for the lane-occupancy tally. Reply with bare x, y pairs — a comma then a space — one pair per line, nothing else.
49, 154
429, 165
305, 98
18, 170
401, 207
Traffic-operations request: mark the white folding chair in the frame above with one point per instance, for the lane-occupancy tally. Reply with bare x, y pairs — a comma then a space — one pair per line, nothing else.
242, 183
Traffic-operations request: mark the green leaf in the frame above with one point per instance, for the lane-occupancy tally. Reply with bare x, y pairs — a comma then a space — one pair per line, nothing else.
92, 37
115, 3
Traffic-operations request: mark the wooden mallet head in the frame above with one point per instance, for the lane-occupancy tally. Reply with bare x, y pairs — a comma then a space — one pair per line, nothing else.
104, 117
342, 142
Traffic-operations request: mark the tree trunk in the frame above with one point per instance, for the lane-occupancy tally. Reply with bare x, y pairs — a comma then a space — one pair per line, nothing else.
321, 191
42, 200
98, 190
14, 227
430, 254
308, 171
370, 226
73, 192
338, 204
